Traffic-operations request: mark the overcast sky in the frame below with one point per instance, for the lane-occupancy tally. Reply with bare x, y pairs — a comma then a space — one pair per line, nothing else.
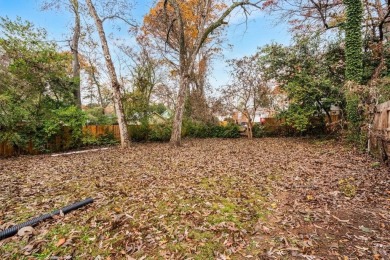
261, 29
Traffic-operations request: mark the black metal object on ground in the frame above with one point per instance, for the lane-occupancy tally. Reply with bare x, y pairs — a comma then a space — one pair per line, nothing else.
32, 222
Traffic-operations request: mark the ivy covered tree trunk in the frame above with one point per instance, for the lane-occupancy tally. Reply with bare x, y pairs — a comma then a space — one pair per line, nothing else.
353, 41
354, 66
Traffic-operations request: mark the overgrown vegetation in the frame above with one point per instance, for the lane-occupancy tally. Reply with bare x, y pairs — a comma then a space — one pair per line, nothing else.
309, 73
191, 129
36, 100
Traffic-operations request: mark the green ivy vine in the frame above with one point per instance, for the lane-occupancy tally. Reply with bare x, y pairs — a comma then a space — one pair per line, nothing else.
353, 40
354, 67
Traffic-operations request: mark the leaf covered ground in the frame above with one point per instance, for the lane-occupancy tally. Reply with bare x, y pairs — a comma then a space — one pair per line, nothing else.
210, 199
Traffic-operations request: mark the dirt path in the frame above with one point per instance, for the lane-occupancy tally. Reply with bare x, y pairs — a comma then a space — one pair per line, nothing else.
237, 199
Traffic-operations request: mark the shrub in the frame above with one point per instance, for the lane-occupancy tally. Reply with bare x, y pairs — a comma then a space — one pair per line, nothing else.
201, 130
106, 139
160, 132
70, 118
258, 131
138, 133
228, 131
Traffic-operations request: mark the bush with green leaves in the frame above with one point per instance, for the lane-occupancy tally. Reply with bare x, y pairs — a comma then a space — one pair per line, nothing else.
139, 133
259, 131
191, 129
160, 132
196, 129
106, 139
71, 118
310, 74
36, 90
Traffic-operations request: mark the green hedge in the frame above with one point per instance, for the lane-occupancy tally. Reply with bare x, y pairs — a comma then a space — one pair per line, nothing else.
162, 132
201, 130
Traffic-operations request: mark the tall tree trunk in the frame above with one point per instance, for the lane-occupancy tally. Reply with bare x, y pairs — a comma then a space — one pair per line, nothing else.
250, 129
354, 41
187, 54
354, 68
116, 87
177, 121
98, 87
75, 53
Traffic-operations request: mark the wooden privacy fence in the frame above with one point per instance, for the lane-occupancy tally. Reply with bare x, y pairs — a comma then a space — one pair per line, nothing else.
60, 142
380, 132
99, 130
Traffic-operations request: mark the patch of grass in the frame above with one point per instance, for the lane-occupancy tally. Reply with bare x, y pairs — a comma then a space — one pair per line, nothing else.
215, 219
53, 236
347, 187
253, 248
9, 249
224, 210
200, 236
376, 165
207, 183
256, 204
224, 206
177, 247
207, 250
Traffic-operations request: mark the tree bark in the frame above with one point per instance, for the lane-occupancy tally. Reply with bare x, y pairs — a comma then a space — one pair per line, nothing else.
250, 129
187, 54
95, 80
178, 119
75, 53
116, 87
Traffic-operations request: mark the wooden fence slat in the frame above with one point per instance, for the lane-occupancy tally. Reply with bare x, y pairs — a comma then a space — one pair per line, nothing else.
62, 141
380, 134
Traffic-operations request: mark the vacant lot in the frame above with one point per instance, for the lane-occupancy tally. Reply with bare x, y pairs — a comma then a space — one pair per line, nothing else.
266, 198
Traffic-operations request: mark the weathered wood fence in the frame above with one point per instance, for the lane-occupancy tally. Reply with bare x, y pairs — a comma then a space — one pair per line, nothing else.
60, 142
380, 132
99, 130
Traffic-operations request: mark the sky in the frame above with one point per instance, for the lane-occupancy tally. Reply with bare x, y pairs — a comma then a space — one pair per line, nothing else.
245, 39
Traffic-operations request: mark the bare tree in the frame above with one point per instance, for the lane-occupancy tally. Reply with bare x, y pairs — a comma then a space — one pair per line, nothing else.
197, 106
188, 35
73, 6
248, 92
75, 51
116, 87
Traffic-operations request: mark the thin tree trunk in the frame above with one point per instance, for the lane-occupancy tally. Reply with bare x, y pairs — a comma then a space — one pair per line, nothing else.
114, 80
95, 80
188, 54
250, 129
75, 53
177, 122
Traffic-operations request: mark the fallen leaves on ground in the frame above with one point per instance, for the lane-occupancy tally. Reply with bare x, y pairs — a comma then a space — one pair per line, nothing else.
222, 199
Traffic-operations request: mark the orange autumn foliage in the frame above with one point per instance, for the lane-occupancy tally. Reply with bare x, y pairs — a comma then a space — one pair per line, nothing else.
67, 55
194, 12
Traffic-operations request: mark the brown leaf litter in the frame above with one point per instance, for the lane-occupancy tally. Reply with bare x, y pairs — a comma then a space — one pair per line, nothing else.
211, 199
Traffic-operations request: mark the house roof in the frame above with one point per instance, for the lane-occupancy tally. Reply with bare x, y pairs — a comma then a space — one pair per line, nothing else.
277, 90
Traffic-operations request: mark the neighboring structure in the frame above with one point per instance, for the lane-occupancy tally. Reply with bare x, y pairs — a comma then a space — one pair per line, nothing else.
335, 110
278, 102
240, 118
